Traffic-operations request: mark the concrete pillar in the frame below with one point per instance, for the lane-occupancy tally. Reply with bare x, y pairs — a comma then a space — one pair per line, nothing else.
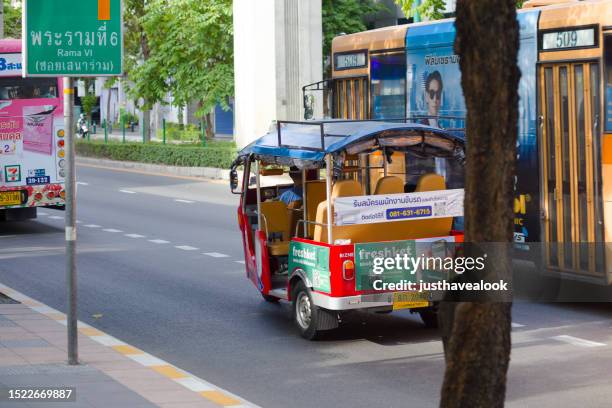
277, 50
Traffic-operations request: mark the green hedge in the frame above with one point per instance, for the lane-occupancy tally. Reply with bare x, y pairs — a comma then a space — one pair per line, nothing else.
220, 156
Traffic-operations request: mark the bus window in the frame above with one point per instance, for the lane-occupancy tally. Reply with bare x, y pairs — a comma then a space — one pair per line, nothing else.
30, 88
388, 76
608, 81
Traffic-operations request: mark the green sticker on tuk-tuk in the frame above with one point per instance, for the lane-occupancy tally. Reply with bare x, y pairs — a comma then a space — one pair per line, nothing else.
314, 261
365, 255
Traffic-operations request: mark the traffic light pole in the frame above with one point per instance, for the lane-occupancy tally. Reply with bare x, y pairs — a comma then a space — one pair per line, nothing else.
71, 233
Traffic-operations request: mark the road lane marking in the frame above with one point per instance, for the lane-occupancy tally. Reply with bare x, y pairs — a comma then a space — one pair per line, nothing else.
127, 191
240, 262
44, 214
216, 255
56, 217
576, 341
517, 325
186, 248
8, 236
184, 201
111, 230
159, 241
82, 183
93, 226
134, 236
189, 381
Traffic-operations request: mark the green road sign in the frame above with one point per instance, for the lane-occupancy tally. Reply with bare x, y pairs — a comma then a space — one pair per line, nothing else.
73, 38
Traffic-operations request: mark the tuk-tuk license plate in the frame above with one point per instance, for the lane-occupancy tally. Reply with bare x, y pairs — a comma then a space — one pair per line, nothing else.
410, 300
10, 198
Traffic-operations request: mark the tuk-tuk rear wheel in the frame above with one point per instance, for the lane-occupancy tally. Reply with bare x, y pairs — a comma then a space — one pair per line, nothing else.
305, 312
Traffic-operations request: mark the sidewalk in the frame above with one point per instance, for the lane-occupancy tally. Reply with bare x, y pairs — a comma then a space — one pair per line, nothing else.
112, 373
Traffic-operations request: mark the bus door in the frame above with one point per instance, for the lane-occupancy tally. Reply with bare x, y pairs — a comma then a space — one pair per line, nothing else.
351, 98
569, 139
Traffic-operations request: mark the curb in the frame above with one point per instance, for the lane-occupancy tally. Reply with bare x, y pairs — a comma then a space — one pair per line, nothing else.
206, 390
198, 172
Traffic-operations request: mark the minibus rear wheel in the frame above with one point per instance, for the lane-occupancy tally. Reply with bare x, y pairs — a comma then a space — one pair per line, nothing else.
305, 312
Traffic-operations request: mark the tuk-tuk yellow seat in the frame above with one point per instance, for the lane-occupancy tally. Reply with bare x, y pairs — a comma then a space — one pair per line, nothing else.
389, 185
275, 221
315, 194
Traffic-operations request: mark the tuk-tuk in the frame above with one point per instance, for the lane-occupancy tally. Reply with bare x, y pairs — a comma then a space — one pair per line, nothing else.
357, 191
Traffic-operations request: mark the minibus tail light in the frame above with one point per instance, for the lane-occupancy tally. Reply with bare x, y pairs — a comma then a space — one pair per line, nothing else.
348, 270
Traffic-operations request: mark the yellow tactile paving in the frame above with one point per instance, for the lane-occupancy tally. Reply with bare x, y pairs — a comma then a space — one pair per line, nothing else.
90, 331
56, 316
220, 398
30, 302
169, 371
126, 349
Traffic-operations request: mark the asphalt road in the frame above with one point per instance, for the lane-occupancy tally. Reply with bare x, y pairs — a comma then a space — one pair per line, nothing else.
159, 260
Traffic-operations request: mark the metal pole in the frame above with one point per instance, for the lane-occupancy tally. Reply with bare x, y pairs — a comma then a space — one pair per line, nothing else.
164, 131
304, 201
143, 129
123, 128
329, 170
71, 270
105, 131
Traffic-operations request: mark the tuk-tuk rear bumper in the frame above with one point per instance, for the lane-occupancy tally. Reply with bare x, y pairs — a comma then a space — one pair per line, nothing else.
353, 302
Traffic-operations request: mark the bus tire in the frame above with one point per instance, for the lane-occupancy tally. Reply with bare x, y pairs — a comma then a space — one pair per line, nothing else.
429, 317
270, 299
305, 312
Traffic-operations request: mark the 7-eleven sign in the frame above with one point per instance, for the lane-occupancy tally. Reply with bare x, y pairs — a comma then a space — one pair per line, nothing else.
12, 174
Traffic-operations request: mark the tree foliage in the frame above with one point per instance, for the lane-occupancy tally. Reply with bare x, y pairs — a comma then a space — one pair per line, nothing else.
431, 9
345, 16
12, 20
190, 53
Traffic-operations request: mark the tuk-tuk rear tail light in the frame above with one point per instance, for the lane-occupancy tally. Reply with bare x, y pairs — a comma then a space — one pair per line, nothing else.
348, 270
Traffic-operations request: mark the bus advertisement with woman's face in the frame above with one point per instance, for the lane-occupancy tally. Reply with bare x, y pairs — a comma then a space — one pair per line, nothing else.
435, 96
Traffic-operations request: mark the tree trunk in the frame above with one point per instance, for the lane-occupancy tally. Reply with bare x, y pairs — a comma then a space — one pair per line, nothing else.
181, 117
477, 335
208, 123
146, 122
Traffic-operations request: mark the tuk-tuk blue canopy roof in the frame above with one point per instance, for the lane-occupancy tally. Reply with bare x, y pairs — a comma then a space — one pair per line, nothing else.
311, 141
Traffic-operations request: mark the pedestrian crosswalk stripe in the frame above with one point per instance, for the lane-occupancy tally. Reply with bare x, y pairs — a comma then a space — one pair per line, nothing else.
134, 236
112, 230
127, 191
93, 226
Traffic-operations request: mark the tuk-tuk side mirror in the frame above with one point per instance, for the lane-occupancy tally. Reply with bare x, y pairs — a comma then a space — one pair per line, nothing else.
234, 182
309, 102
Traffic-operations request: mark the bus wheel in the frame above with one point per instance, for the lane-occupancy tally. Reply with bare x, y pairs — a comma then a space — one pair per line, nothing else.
429, 316
270, 299
305, 312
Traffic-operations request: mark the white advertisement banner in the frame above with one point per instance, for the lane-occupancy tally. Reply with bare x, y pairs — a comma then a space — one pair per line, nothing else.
398, 207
